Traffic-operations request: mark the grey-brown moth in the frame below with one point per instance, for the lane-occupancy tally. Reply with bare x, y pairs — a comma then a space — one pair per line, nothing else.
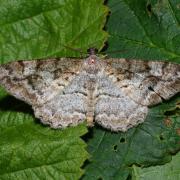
114, 93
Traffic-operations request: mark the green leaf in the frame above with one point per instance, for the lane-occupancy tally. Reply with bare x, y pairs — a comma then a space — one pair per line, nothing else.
138, 30
145, 29
150, 143
29, 150
39, 29
166, 172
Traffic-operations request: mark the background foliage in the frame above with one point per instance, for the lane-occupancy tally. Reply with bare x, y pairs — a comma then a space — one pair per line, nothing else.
144, 29
41, 29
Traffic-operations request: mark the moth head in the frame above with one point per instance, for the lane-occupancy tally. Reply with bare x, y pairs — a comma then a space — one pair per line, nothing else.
92, 60
92, 64
92, 51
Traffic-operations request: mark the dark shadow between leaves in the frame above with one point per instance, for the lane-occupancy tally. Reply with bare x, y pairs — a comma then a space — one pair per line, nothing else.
129, 177
88, 135
106, 130
149, 8
136, 164
10, 103
99, 178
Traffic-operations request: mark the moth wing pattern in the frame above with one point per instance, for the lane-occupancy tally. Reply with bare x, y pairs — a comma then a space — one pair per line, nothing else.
129, 87
43, 84
114, 109
115, 93
146, 82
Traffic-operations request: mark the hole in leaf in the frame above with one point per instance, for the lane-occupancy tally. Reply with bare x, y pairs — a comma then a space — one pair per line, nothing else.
100, 178
161, 137
115, 147
122, 140
149, 8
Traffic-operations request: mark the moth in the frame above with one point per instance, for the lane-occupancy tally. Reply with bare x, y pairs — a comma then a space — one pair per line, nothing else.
115, 93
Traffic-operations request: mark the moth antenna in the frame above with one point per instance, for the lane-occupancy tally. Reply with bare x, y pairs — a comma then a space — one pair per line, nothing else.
116, 51
76, 49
